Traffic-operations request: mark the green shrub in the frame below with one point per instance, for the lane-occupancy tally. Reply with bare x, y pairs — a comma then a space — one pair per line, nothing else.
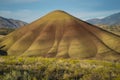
36, 68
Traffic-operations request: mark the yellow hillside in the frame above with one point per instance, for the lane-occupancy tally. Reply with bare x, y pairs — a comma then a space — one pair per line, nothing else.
58, 34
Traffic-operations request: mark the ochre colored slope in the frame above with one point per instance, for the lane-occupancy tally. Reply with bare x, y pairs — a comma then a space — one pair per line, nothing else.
59, 34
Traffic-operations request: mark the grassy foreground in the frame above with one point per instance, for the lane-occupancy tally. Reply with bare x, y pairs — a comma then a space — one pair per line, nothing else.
36, 68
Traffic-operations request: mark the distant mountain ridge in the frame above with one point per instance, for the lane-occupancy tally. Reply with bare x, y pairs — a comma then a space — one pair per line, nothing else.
10, 23
113, 19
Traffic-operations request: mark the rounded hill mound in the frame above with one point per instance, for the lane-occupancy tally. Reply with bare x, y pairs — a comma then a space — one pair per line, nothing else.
59, 34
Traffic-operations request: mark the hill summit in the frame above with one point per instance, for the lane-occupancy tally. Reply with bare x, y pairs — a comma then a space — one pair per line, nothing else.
59, 34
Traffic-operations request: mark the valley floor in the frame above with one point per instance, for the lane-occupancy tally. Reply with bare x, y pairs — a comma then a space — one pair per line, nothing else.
36, 68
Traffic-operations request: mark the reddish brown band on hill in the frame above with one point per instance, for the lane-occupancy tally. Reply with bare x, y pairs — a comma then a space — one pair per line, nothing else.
58, 34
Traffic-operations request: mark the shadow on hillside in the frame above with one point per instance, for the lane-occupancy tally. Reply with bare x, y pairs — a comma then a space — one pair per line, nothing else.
2, 52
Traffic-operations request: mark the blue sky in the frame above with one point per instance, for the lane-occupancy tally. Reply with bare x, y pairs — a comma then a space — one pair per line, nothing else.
30, 10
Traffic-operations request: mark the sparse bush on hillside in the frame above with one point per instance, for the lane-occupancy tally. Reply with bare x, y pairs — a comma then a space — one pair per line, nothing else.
113, 28
35, 68
5, 31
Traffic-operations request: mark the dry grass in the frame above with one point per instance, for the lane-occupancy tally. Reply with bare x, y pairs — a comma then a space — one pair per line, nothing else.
36, 68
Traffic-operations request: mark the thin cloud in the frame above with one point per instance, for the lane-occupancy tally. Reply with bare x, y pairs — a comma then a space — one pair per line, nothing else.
94, 14
24, 15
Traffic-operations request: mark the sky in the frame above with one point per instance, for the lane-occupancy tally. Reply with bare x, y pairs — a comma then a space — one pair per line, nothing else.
30, 10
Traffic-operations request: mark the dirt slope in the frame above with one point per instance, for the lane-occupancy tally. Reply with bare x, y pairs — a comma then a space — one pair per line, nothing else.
59, 34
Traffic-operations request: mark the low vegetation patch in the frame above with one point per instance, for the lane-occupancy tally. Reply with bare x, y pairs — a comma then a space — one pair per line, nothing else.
36, 68
5, 31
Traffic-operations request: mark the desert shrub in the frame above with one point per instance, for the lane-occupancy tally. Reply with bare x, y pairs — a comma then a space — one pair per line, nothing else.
5, 31
17, 75
36, 68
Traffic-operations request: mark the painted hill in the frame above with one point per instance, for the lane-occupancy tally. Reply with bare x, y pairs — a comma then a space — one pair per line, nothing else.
59, 34
113, 19
10, 23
